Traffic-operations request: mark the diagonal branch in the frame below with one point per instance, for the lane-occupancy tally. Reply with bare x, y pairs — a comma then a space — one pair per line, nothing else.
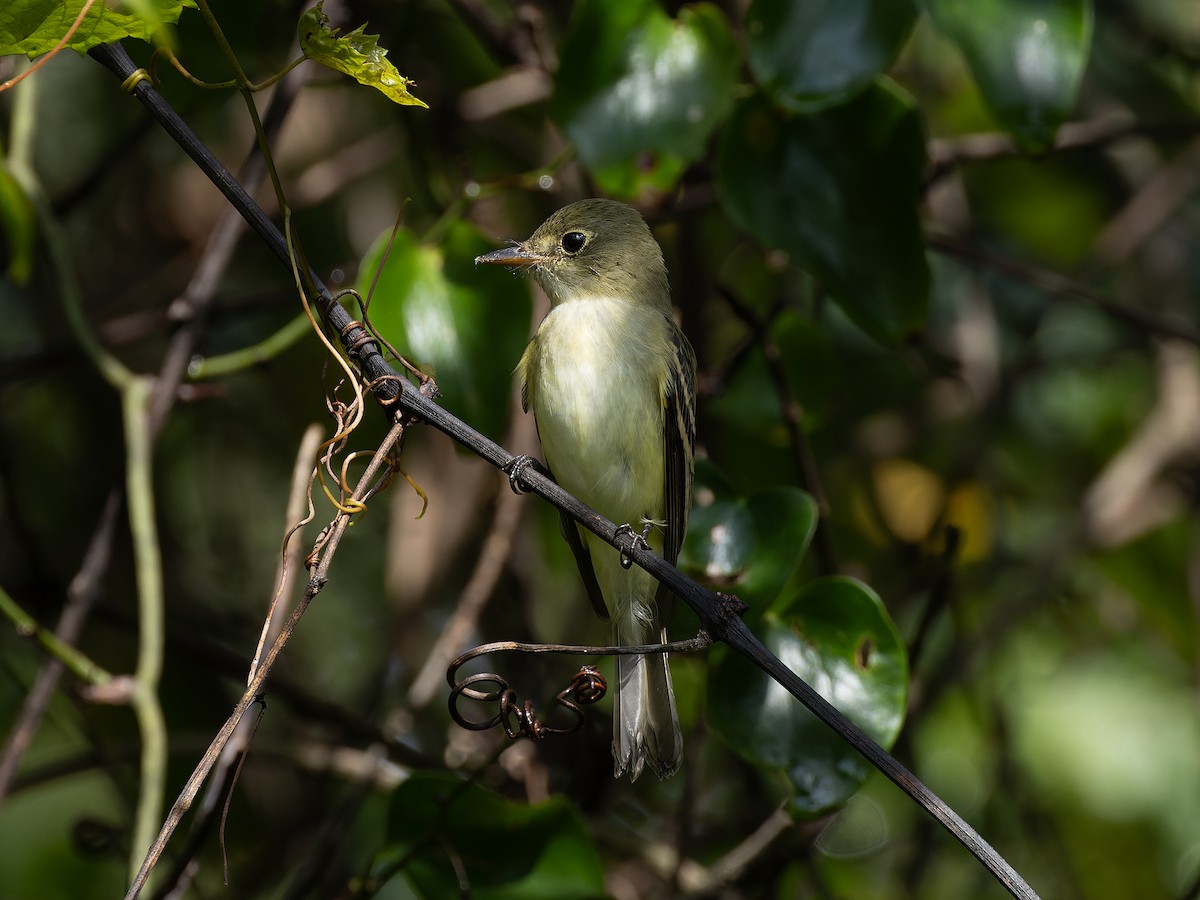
719, 615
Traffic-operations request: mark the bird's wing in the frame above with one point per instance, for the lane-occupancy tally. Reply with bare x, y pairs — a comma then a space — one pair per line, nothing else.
583, 559
680, 443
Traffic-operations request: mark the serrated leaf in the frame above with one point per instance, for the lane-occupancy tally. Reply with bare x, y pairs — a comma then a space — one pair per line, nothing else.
356, 54
748, 546
453, 830
34, 27
639, 93
818, 53
836, 635
1027, 57
838, 189
467, 330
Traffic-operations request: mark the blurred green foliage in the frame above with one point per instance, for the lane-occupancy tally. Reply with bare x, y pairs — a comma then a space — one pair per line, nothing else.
939, 264
639, 93
835, 634
465, 333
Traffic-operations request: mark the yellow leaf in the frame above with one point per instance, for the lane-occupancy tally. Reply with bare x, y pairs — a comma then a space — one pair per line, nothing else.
971, 509
355, 54
910, 497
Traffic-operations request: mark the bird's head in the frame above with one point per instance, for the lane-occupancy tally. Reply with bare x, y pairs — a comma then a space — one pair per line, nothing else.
590, 249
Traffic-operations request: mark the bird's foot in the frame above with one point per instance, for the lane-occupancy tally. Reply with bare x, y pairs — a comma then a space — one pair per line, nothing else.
639, 540
515, 469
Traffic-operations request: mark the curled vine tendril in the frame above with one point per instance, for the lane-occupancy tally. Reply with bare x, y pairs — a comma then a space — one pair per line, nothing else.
519, 718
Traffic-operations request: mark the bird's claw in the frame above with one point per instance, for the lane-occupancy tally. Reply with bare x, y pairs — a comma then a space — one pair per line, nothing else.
639, 540
515, 469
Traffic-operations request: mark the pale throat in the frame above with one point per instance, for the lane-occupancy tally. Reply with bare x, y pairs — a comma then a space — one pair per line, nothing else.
594, 375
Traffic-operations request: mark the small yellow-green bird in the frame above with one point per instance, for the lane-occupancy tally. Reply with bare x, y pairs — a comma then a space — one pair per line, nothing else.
611, 381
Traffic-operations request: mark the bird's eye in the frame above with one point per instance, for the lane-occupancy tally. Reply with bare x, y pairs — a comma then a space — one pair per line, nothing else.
573, 241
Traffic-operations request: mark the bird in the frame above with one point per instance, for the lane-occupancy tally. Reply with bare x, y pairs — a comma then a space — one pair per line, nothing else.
611, 381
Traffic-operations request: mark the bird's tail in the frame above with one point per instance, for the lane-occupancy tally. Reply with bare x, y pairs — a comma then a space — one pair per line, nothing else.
645, 722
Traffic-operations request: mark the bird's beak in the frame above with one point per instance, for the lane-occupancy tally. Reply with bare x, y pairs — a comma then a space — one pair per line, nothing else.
515, 255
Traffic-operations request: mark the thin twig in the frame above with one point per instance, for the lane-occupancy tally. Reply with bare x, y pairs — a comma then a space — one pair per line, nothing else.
947, 154
1169, 188
289, 565
299, 513
940, 595
1061, 286
81, 595
792, 412
317, 581
715, 381
81, 666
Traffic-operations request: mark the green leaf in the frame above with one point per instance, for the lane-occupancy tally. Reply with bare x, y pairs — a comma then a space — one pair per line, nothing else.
839, 189
1153, 569
34, 27
505, 849
814, 54
749, 546
355, 54
467, 329
750, 399
17, 224
836, 635
639, 93
1054, 210
1027, 57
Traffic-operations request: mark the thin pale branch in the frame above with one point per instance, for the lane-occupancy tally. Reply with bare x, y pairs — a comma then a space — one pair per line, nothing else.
1060, 286
317, 581
947, 154
135, 405
298, 510
147, 555
81, 594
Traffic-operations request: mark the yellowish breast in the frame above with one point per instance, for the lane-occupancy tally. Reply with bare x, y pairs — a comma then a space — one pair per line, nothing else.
593, 376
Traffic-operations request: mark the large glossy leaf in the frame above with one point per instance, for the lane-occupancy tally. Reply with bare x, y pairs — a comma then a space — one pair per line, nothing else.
466, 327
453, 830
639, 93
837, 636
748, 546
1027, 57
817, 53
839, 189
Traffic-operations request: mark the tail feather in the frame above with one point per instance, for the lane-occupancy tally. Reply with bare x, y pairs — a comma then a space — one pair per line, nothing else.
645, 721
